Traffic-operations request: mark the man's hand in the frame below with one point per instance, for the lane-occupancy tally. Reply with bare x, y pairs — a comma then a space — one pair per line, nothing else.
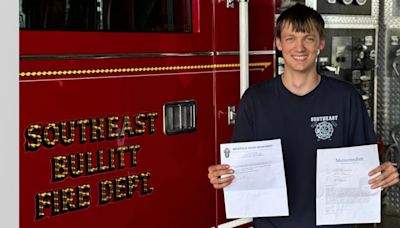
389, 176
216, 171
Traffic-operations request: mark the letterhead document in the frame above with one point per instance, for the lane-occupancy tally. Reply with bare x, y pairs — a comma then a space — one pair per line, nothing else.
259, 186
343, 193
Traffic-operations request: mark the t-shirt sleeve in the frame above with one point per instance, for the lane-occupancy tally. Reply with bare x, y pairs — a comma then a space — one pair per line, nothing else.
361, 130
243, 130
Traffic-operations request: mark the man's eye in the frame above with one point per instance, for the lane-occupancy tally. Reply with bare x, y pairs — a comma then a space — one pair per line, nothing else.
289, 39
310, 39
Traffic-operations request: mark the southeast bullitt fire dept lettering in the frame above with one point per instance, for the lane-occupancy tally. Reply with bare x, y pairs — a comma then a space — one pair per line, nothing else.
87, 163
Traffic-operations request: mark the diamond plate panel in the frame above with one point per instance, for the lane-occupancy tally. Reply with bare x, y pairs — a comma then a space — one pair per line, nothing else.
351, 21
388, 84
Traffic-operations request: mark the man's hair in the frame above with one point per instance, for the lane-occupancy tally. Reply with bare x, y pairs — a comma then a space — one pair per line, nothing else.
302, 19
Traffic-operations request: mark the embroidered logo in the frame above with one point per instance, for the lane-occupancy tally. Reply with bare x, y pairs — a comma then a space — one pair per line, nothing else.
324, 126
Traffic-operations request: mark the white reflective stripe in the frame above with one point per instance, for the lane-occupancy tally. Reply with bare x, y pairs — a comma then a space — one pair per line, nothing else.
235, 223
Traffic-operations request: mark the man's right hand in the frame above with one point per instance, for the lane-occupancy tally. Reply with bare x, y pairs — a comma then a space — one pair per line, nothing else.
216, 171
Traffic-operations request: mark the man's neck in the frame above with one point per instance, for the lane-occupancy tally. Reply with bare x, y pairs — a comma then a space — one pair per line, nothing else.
300, 83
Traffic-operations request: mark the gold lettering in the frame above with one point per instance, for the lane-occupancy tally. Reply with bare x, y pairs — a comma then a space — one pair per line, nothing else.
97, 129
77, 165
55, 132
67, 196
31, 135
60, 169
133, 182
72, 198
88, 163
56, 203
83, 196
121, 161
111, 158
89, 168
126, 127
82, 124
134, 149
144, 177
43, 200
120, 188
151, 116
124, 187
65, 131
141, 125
112, 127
106, 191
100, 162
67, 140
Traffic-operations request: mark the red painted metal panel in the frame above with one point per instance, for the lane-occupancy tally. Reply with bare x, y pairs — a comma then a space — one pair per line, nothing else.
261, 26
176, 163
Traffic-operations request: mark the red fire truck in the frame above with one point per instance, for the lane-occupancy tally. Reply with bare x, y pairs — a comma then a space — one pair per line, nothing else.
123, 105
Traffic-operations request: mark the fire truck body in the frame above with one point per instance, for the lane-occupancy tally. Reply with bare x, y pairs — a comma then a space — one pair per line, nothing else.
118, 128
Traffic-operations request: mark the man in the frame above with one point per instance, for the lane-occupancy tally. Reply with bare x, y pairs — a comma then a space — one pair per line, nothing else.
306, 111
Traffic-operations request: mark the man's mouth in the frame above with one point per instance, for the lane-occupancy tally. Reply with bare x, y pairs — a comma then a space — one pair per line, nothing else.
300, 57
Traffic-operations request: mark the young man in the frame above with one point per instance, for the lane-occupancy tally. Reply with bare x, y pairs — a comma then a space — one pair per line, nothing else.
307, 111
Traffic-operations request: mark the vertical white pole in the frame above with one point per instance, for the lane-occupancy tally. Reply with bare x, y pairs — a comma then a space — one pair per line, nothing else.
244, 44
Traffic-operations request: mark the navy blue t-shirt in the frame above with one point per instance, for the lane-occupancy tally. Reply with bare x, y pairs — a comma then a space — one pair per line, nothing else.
332, 115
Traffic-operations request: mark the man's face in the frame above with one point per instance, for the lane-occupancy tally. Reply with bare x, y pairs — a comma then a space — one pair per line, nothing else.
300, 50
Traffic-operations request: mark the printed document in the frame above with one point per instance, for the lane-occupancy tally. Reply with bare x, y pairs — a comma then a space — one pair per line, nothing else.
343, 193
259, 186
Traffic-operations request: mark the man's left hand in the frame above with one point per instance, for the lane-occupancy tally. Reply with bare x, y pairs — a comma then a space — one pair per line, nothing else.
389, 176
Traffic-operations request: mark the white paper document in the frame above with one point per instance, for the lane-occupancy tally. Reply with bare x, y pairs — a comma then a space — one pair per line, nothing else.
259, 186
343, 193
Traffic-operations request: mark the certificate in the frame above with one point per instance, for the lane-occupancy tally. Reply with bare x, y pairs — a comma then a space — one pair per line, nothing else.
343, 193
259, 186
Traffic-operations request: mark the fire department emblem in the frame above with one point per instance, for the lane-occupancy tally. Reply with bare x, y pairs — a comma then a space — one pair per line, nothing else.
324, 126
324, 130
227, 152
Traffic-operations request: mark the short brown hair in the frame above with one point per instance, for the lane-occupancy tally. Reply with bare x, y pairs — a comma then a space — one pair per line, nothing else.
302, 18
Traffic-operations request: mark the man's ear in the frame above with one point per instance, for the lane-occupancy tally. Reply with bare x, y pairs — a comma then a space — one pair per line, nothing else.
321, 44
278, 43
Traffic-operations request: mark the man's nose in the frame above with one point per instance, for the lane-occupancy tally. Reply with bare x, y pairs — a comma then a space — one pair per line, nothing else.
300, 45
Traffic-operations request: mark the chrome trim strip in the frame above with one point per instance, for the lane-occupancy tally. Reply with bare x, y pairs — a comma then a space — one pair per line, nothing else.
140, 55
114, 56
263, 52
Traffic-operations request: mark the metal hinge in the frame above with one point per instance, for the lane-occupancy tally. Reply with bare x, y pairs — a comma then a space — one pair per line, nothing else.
231, 3
231, 115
